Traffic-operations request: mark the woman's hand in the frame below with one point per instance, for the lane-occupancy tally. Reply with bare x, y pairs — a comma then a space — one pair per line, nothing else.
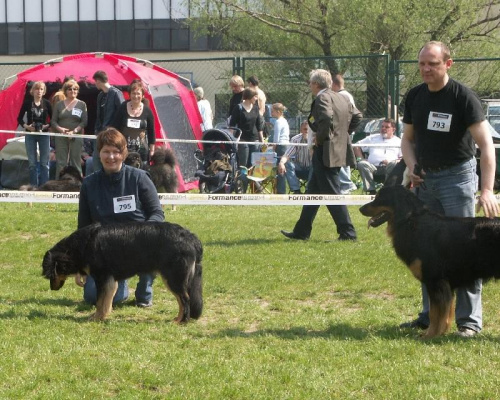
80, 280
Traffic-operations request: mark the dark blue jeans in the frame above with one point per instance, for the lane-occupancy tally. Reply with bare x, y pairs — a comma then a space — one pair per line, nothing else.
143, 292
43, 142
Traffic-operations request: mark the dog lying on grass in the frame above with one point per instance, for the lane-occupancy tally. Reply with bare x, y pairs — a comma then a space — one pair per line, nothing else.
70, 180
112, 253
442, 252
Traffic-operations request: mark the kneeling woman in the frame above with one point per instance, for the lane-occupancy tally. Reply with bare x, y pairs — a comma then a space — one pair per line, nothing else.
117, 193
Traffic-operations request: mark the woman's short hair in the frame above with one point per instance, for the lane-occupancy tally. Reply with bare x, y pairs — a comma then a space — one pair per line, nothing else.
198, 92
138, 84
112, 137
279, 107
321, 77
237, 80
36, 85
249, 93
69, 84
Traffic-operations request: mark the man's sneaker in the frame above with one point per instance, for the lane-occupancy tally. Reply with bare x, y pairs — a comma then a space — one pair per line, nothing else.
465, 332
415, 324
144, 304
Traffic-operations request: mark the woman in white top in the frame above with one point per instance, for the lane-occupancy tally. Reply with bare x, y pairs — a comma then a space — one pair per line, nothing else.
281, 135
205, 109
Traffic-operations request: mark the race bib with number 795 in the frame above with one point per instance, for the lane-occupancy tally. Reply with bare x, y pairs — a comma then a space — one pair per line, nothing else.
124, 204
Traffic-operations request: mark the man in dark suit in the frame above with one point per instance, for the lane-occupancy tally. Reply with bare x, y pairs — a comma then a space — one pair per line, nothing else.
332, 118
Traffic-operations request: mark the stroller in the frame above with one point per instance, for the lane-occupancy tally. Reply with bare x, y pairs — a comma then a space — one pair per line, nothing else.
218, 162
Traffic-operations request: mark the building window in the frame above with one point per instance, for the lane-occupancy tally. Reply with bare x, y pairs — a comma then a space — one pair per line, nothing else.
16, 38
51, 38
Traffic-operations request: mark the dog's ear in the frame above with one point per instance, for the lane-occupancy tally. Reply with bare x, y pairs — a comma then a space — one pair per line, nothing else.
48, 270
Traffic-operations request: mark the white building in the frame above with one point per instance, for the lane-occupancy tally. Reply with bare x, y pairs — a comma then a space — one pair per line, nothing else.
75, 26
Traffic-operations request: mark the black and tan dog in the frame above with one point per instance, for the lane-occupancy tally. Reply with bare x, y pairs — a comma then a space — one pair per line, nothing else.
70, 180
442, 252
115, 252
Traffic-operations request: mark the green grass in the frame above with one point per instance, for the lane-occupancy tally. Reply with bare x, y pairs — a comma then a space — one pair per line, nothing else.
282, 320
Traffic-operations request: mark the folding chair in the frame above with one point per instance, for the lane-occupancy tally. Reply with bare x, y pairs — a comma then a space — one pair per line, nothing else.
262, 173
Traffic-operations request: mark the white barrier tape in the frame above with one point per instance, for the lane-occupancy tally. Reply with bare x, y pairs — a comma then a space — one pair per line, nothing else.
14, 196
176, 140
191, 140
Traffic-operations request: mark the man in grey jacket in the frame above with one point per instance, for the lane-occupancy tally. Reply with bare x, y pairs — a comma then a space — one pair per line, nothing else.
332, 117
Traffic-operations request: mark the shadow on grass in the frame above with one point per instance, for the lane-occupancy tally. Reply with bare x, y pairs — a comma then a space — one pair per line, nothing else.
79, 306
236, 243
349, 333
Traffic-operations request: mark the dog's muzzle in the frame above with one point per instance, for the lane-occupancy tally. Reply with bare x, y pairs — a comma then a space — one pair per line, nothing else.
56, 283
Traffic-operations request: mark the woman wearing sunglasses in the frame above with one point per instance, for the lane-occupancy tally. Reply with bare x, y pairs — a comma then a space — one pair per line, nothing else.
69, 118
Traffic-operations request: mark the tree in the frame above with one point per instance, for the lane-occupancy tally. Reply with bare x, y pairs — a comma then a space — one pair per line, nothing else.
347, 27
334, 28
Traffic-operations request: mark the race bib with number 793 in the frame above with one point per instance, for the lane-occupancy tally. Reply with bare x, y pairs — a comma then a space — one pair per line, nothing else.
124, 204
440, 122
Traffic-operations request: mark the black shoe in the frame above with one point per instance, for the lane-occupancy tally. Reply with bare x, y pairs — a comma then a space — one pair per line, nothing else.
415, 324
292, 235
346, 238
297, 192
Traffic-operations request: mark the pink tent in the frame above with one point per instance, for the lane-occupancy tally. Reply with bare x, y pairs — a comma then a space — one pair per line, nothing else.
171, 99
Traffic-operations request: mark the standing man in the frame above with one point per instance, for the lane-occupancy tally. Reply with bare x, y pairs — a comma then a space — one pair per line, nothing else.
332, 117
253, 83
346, 184
442, 120
381, 160
237, 86
108, 102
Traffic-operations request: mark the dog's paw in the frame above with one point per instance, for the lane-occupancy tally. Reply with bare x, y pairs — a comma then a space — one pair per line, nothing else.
96, 317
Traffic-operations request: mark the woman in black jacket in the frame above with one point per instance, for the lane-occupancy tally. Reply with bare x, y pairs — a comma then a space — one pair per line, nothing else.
135, 121
38, 111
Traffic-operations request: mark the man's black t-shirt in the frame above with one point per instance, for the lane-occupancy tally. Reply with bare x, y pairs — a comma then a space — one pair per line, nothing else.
440, 121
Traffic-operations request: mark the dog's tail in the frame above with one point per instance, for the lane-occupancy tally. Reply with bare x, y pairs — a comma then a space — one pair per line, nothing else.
196, 287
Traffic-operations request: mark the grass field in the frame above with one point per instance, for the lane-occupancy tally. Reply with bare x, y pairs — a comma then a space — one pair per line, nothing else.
282, 320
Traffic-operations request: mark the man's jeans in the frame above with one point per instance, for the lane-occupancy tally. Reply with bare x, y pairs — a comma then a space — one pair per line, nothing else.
293, 173
451, 192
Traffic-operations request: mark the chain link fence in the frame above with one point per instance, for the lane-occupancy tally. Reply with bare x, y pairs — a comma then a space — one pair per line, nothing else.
284, 80
373, 80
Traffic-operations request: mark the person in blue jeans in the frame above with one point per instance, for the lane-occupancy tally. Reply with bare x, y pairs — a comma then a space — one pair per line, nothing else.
295, 164
37, 111
114, 194
442, 121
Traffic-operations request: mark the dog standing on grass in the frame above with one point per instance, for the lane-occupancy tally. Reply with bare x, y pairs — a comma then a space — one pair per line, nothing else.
162, 170
443, 252
115, 252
